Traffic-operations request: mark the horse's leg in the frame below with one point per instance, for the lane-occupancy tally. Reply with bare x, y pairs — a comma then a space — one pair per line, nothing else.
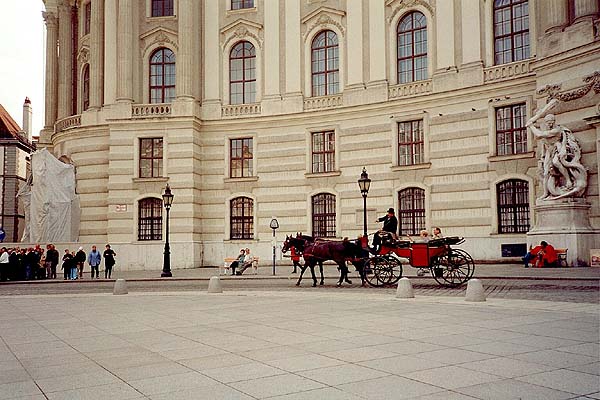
346, 274
302, 269
342, 273
312, 272
321, 270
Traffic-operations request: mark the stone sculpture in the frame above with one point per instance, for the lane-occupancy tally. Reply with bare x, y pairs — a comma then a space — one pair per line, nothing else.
560, 166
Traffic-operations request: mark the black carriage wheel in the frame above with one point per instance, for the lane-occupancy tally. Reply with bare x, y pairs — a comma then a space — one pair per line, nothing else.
395, 268
468, 259
453, 268
371, 271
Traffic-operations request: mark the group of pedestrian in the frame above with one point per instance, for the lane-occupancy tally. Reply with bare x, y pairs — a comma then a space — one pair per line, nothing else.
23, 264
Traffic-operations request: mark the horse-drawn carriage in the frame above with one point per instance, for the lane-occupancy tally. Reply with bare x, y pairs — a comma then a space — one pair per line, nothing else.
448, 266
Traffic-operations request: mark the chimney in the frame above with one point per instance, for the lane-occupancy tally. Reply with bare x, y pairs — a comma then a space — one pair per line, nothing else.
27, 118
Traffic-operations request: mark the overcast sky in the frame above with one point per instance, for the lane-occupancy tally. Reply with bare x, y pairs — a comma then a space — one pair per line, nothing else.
22, 62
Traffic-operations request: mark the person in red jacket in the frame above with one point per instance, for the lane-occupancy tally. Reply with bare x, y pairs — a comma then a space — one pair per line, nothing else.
295, 256
544, 254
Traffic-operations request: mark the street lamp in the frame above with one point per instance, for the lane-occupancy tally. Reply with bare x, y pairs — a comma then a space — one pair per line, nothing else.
274, 225
167, 201
364, 183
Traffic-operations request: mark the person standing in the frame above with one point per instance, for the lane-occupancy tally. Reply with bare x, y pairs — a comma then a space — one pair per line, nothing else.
295, 256
94, 259
3, 264
80, 261
109, 261
66, 265
52, 259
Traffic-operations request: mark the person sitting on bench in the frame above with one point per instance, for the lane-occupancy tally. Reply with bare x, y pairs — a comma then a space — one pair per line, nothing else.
238, 262
248, 260
544, 254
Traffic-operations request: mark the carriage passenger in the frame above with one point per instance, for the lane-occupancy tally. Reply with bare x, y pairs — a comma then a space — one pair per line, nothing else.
437, 233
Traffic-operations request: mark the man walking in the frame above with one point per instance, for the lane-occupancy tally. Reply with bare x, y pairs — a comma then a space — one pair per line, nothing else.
94, 259
109, 261
80, 261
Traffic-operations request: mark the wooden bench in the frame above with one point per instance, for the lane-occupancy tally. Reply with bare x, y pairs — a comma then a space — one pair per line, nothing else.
226, 269
561, 255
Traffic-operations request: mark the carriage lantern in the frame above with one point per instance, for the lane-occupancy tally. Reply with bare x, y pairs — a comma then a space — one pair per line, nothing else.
274, 225
167, 202
364, 183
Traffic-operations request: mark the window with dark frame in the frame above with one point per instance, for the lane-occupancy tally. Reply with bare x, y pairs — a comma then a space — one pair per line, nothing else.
411, 149
241, 4
242, 74
411, 211
511, 31
240, 158
325, 64
151, 158
162, 8
88, 18
241, 218
511, 133
150, 219
323, 215
323, 151
162, 76
513, 206
412, 48
85, 90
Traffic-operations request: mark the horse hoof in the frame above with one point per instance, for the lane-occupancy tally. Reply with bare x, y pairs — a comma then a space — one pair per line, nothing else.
297, 284
314, 285
339, 284
349, 282
322, 283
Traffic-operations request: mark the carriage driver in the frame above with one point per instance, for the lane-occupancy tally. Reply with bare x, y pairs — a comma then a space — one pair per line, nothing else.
390, 224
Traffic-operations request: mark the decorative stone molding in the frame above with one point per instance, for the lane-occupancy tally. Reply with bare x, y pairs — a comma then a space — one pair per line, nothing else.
240, 110
67, 123
50, 18
323, 102
410, 89
158, 37
84, 55
552, 91
242, 29
323, 17
150, 110
506, 71
398, 6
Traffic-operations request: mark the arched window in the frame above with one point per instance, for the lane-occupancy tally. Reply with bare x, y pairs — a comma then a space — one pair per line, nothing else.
150, 219
242, 74
513, 206
411, 213
162, 76
162, 8
241, 218
511, 31
85, 89
325, 64
412, 48
323, 215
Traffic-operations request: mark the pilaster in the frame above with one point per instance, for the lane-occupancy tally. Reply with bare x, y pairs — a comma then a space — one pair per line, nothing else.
185, 55
110, 51
555, 15
445, 35
585, 8
211, 105
271, 44
125, 53
97, 56
65, 91
51, 84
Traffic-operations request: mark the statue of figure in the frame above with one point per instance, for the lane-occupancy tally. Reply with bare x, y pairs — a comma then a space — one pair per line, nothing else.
562, 173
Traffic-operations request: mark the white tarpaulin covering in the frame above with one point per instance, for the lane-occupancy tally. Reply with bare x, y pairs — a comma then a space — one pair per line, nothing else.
53, 213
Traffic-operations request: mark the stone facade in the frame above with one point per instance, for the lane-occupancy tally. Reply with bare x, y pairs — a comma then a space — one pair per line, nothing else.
456, 103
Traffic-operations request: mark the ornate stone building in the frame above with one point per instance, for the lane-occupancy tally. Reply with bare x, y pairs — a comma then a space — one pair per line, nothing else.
257, 108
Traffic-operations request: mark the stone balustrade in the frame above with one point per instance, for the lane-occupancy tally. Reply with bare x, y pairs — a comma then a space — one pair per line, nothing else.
410, 89
67, 123
506, 71
323, 102
240, 110
150, 110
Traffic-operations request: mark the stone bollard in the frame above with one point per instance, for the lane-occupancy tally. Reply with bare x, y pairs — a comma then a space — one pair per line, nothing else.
214, 285
475, 291
405, 289
120, 287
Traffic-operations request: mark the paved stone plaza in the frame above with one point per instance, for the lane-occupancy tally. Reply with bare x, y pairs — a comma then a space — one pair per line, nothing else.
295, 345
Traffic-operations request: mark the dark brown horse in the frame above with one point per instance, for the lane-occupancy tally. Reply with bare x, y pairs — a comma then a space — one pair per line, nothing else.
317, 251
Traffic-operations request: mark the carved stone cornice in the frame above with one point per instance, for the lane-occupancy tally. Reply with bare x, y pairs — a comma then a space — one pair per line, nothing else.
398, 6
158, 37
552, 91
50, 18
242, 29
323, 17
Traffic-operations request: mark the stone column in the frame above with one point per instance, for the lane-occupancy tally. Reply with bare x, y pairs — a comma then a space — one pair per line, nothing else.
555, 14
51, 70
292, 47
471, 31
125, 52
445, 35
65, 62
212, 55
271, 42
185, 57
377, 28
583, 8
97, 55
110, 51
355, 43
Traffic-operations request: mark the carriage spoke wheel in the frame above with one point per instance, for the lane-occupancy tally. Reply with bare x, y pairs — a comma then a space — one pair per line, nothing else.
453, 268
372, 270
395, 270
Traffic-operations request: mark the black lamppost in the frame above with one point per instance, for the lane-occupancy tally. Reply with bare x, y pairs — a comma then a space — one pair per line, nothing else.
167, 201
364, 183
274, 225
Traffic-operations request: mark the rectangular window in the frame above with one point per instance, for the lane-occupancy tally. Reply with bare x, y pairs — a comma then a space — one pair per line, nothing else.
511, 31
242, 218
410, 143
323, 151
88, 18
240, 160
150, 219
513, 206
162, 8
239, 4
323, 215
151, 158
511, 133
